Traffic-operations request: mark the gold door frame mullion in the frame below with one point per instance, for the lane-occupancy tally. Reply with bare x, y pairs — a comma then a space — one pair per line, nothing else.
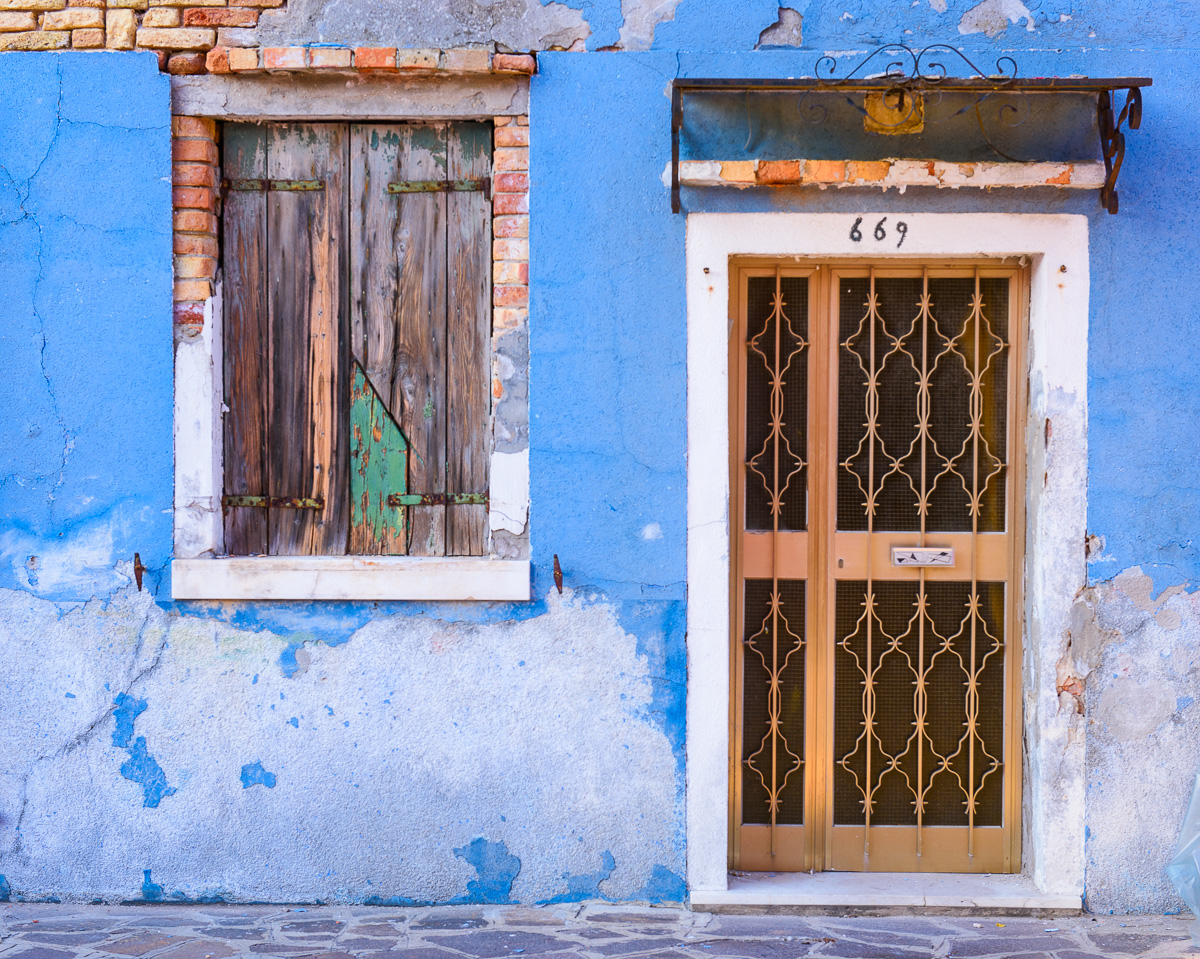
1018, 412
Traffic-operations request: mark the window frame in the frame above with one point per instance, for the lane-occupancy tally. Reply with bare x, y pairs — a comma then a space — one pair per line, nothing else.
201, 571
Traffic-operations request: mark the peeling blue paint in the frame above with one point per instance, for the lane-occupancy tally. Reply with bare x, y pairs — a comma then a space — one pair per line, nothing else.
587, 886
95, 246
140, 767
604, 17
127, 710
495, 869
287, 660
663, 886
143, 769
661, 631
151, 891
253, 774
5, 889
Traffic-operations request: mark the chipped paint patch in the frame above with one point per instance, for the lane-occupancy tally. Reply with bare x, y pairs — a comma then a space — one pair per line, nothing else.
663, 886
641, 19
587, 886
253, 774
992, 17
784, 32
495, 869
899, 174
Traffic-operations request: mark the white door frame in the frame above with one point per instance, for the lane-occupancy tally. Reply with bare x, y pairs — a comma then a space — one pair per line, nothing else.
1056, 248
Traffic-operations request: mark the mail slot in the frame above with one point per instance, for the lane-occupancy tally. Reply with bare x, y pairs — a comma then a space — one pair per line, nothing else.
922, 556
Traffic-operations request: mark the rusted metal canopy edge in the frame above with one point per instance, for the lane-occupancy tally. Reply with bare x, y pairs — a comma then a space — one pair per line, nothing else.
968, 84
1112, 138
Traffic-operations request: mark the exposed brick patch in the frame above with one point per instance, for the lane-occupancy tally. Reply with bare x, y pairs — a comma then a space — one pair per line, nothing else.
778, 171
283, 58
375, 58
510, 246
514, 63
89, 39
220, 17
186, 64
198, 36
242, 58
195, 178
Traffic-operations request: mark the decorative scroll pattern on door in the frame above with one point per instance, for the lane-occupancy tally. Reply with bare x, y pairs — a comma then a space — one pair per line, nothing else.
922, 440
773, 632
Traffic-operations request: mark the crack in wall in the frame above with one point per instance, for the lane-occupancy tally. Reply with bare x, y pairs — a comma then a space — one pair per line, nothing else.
68, 440
88, 732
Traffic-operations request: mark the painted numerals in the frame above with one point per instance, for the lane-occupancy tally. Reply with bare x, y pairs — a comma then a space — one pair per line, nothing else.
880, 232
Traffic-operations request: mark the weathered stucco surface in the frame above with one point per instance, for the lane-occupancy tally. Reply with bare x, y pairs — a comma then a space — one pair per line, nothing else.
520, 747
242, 764
335, 751
1138, 658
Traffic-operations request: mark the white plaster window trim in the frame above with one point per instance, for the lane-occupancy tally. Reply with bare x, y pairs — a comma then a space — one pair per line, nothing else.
1055, 567
198, 570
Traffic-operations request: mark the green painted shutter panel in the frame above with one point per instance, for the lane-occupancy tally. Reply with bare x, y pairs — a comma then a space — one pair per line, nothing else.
378, 468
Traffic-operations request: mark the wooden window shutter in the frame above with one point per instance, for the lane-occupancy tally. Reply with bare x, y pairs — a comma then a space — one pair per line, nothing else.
358, 327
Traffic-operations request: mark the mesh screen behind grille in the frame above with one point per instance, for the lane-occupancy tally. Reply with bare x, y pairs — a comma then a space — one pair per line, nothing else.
762, 362
891, 460
761, 657
891, 737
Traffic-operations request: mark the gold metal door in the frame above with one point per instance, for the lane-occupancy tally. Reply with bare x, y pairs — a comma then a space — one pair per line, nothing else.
877, 479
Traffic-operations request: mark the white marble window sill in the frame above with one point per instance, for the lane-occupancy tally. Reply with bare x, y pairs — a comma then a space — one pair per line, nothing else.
350, 578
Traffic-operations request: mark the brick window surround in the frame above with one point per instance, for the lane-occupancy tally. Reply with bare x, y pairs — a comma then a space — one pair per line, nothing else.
199, 571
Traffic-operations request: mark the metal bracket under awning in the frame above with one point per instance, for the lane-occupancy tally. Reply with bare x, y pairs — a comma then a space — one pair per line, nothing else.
913, 74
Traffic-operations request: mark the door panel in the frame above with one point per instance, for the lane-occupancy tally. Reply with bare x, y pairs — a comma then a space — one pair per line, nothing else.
903, 686
773, 433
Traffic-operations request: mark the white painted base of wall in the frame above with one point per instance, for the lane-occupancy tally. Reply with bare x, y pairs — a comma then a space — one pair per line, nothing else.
884, 891
350, 578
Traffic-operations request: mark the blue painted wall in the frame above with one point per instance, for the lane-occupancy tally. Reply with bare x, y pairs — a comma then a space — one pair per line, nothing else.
85, 320
85, 344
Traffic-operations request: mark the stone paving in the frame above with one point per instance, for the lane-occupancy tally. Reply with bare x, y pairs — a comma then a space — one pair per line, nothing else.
576, 931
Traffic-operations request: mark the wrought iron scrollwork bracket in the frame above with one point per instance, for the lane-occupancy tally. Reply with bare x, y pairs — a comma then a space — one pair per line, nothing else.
1112, 139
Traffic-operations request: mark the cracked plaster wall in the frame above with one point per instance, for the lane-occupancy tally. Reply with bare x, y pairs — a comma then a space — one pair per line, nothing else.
337, 751
607, 458
254, 764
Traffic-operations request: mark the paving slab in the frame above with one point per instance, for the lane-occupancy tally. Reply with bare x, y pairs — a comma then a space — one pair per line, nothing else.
565, 931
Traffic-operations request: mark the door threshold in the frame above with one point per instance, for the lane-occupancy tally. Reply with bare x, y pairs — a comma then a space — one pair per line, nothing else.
883, 894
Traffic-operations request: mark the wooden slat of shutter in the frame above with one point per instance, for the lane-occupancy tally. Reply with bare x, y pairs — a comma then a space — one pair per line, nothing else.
310, 386
468, 337
376, 253
244, 238
399, 292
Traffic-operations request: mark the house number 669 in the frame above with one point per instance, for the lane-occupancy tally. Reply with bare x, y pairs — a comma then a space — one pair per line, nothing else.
880, 231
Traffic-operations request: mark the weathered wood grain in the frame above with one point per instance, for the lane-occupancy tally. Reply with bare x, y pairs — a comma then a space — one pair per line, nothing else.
246, 370
468, 336
378, 467
307, 240
399, 296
